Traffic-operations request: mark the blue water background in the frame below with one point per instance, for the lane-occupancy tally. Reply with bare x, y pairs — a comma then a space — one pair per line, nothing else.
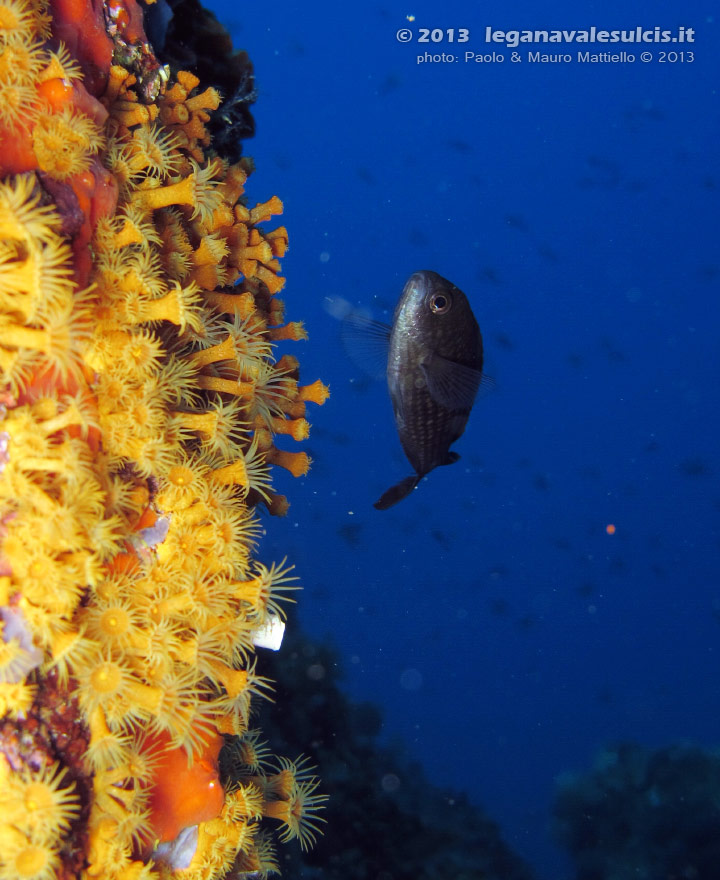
507, 636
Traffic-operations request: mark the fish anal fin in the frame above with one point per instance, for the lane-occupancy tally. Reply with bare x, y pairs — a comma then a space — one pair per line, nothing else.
452, 457
397, 492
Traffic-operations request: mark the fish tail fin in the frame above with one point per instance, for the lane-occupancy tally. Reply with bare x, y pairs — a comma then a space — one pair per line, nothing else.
397, 492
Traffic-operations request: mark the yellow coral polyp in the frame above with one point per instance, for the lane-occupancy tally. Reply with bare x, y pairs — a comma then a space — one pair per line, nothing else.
294, 330
65, 142
117, 159
271, 280
297, 463
278, 241
155, 151
130, 113
240, 304
55, 343
197, 191
16, 698
316, 393
19, 336
207, 100
115, 623
263, 592
298, 806
61, 66
21, 61
226, 386
140, 351
252, 753
204, 423
182, 713
107, 684
40, 804
34, 278
212, 250
151, 198
222, 351
247, 473
262, 858
21, 216
141, 274
16, 18
18, 105
181, 476
30, 861
298, 429
52, 419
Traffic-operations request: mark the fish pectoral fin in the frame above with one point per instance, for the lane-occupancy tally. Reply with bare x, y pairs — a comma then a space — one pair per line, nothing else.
397, 492
450, 384
366, 343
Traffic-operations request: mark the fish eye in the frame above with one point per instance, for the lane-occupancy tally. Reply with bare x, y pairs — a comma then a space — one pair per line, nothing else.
440, 303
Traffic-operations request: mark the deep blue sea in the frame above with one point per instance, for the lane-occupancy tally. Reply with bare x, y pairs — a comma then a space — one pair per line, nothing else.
507, 633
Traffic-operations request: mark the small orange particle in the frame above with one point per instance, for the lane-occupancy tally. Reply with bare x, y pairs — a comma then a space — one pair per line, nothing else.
610, 529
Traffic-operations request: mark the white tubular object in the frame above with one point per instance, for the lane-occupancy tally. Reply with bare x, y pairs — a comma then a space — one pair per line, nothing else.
270, 634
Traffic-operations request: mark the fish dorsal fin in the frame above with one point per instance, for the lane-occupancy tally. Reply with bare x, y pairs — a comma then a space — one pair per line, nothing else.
366, 342
450, 384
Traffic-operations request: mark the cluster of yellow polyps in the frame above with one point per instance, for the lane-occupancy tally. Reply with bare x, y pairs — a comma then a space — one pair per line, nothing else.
138, 417
41, 124
38, 808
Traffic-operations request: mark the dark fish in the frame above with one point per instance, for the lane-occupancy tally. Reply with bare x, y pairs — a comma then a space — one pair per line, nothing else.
434, 369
